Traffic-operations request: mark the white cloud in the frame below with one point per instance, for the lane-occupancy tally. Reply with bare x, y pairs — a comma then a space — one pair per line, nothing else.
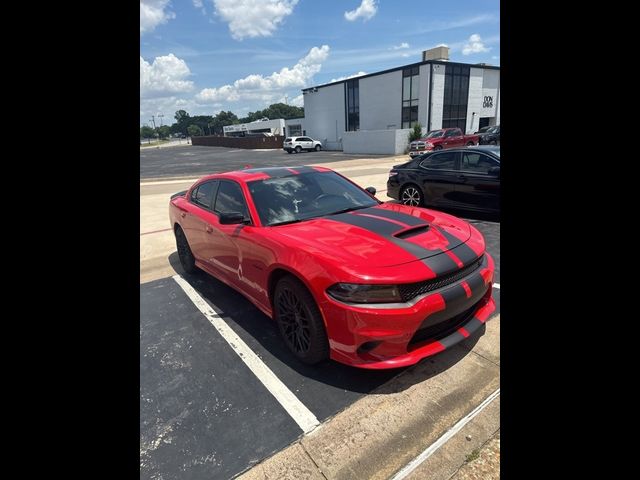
167, 75
297, 101
474, 45
259, 87
464, 22
401, 46
253, 18
359, 74
152, 14
495, 57
199, 5
366, 11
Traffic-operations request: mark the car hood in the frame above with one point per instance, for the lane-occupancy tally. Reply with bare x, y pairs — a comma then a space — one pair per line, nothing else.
381, 236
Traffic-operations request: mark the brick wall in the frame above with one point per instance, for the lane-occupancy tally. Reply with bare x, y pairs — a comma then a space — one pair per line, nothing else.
239, 142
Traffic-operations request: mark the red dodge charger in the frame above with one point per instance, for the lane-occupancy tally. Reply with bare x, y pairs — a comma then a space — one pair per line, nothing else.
345, 276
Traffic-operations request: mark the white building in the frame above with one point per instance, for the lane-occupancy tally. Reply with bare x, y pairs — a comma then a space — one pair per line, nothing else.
292, 126
374, 113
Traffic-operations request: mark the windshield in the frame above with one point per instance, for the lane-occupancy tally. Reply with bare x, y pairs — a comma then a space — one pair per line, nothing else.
493, 130
435, 134
304, 196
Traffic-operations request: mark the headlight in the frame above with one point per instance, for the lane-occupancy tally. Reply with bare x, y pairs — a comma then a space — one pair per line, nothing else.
356, 293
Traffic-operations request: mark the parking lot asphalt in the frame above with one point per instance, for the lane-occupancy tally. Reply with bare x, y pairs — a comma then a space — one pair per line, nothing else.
203, 413
189, 160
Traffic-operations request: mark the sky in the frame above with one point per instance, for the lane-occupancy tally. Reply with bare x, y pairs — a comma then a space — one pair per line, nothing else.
204, 56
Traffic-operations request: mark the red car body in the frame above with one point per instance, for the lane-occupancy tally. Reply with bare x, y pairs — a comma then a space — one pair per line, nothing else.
451, 138
412, 247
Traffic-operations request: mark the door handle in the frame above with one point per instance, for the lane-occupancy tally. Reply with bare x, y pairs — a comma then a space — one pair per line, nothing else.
209, 229
183, 214
462, 178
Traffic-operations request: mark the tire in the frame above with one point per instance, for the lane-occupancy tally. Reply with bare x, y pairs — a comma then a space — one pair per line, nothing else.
298, 149
187, 260
289, 152
493, 142
299, 321
318, 148
469, 144
438, 147
412, 196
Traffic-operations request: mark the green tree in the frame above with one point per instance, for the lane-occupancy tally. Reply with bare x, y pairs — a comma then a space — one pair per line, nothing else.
180, 115
416, 133
273, 112
146, 132
194, 130
222, 119
164, 131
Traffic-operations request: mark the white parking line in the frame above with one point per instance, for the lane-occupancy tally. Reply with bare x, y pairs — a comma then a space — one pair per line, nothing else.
294, 407
496, 285
415, 463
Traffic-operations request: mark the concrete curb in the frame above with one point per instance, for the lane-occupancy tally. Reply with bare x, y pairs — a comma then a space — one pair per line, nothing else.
380, 433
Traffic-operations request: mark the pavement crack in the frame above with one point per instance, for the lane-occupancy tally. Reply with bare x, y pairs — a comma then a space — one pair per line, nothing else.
314, 462
487, 359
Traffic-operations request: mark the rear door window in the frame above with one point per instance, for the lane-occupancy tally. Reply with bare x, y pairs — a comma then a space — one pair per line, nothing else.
440, 161
203, 194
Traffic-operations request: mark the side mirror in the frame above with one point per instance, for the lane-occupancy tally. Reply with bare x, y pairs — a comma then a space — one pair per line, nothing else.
231, 218
371, 190
495, 171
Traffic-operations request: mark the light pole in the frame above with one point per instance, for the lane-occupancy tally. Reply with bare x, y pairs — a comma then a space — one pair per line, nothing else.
160, 116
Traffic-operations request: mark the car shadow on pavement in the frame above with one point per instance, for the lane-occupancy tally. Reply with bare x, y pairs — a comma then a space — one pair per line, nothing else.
265, 332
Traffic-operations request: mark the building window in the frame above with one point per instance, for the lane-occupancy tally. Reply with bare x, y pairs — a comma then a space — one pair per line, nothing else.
295, 130
456, 95
352, 101
410, 86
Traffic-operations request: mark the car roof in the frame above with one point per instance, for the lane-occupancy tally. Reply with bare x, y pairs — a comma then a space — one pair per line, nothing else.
263, 173
478, 148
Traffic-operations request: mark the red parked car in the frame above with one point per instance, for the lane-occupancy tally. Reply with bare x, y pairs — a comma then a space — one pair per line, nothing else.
345, 276
440, 139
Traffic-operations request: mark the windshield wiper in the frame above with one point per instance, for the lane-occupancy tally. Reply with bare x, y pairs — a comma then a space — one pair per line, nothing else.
345, 210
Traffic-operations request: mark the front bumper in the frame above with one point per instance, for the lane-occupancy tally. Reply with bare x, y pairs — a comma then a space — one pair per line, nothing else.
415, 153
380, 338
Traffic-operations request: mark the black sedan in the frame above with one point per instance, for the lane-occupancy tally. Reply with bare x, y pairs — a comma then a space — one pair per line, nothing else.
490, 137
464, 178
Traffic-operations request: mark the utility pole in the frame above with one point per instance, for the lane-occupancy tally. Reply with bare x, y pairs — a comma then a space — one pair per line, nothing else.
153, 119
161, 116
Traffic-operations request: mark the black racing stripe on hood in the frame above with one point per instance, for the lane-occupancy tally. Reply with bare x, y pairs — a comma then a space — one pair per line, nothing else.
439, 263
397, 216
378, 226
462, 251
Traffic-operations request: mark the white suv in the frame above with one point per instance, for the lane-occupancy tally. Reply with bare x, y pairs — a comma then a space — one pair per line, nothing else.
297, 144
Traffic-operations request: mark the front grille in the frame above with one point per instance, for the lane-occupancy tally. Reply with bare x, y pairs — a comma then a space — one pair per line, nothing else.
443, 329
409, 291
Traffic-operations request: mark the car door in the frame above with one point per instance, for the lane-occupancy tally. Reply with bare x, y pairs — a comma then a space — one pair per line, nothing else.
449, 140
221, 250
438, 177
194, 218
479, 188
306, 143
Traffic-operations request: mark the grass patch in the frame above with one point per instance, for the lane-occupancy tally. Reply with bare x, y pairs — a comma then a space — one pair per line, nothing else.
473, 455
